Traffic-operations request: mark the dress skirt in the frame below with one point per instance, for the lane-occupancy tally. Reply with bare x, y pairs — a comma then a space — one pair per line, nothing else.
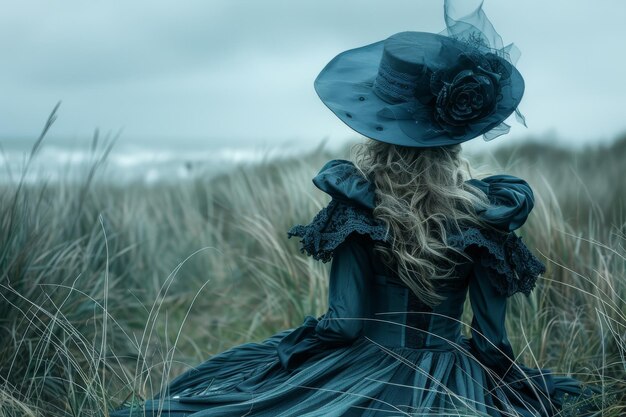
363, 379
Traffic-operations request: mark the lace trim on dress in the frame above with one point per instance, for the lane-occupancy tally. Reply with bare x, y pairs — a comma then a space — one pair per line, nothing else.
515, 268
332, 225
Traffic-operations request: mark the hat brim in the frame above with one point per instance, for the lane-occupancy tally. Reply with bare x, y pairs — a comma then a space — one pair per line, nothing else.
345, 86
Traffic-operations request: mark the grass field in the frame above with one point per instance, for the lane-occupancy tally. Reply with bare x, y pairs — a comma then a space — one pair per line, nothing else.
107, 291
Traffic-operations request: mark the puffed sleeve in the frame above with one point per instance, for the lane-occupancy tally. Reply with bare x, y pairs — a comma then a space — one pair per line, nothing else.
503, 266
350, 278
511, 200
349, 212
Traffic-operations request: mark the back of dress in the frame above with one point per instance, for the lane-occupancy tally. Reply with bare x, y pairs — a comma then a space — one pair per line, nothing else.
432, 361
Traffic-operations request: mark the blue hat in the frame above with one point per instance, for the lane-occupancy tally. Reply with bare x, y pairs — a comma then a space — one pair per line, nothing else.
423, 89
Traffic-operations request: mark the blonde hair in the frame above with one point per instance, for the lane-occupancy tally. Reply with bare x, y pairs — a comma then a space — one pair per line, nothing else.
420, 195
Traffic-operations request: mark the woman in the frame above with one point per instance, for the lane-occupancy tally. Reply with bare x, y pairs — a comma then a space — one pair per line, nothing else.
409, 237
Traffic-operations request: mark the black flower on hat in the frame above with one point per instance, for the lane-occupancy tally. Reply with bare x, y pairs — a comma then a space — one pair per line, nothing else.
467, 92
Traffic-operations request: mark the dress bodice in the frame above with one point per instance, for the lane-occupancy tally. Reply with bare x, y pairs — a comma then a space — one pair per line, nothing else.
396, 317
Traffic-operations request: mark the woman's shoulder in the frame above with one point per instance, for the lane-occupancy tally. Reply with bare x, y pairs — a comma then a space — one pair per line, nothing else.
343, 181
349, 212
512, 266
511, 199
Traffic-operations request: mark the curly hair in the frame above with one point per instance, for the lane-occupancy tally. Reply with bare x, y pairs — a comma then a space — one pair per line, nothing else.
421, 195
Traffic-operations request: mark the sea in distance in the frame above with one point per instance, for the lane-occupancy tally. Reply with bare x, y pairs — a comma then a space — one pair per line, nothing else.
124, 160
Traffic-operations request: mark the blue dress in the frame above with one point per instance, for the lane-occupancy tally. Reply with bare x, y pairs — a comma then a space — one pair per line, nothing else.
378, 350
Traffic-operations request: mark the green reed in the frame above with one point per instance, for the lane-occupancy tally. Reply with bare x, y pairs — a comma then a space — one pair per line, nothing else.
109, 290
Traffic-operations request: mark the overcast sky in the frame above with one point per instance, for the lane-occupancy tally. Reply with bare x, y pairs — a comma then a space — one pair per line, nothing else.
234, 71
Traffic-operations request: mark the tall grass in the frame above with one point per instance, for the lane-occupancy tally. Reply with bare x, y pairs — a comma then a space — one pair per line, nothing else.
107, 291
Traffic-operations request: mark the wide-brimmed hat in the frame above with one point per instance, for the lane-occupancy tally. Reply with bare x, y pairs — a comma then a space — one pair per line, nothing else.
424, 89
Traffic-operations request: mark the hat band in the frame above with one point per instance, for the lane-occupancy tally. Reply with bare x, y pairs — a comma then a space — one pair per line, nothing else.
394, 86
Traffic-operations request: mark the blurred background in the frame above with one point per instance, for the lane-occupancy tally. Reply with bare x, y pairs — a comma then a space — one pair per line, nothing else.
219, 81
147, 229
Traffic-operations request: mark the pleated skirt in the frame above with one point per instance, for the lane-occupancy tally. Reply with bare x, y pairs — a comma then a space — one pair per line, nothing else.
363, 379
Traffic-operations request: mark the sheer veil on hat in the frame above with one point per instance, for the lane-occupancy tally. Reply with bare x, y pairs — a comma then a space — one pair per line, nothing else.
467, 21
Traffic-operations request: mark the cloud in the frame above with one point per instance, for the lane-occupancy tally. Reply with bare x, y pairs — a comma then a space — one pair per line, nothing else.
236, 68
